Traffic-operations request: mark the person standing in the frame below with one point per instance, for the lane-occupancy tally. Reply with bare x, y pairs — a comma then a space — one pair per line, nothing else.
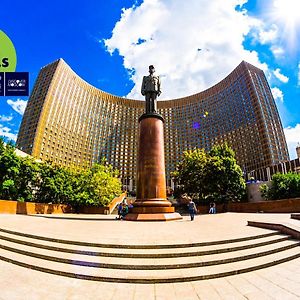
212, 208
215, 208
192, 209
119, 211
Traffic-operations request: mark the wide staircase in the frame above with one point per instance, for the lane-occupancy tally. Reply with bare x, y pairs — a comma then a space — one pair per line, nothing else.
146, 263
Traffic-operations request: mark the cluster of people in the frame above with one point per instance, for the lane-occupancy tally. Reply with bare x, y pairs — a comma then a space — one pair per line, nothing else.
193, 209
123, 209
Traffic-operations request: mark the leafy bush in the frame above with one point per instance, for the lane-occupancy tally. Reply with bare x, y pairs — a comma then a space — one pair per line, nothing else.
264, 190
212, 176
24, 179
9, 171
283, 186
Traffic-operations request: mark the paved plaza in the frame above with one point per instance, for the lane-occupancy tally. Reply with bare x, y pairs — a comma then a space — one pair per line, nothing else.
281, 281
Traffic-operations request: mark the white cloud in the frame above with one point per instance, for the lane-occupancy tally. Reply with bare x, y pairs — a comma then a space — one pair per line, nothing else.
277, 94
292, 135
280, 76
4, 118
19, 105
277, 51
267, 36
270, 35
5, 131
192, 46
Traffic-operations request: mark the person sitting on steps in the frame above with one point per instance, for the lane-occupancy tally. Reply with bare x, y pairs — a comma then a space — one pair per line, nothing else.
124, 211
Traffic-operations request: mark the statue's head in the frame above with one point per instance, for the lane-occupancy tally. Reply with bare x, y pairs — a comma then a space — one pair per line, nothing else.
151, 69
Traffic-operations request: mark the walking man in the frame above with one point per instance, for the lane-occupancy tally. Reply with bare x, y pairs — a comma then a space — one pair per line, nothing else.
192, 209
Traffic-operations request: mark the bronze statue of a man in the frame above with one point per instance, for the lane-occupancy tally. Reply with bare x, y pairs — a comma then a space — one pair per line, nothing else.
151, 90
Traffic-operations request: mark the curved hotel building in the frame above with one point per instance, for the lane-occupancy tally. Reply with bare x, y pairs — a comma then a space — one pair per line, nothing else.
68, 121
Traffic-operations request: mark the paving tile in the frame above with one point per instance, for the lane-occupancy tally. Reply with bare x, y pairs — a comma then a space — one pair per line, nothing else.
165, 292
226, 290
13, 291
185, 291
144, 291
269, 288
205, 290
294, 268
243, 286
258, 295
124, 292
279, 280
283, 270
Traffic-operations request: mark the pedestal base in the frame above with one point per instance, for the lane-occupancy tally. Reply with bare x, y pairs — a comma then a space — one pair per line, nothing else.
152, 210
153, 217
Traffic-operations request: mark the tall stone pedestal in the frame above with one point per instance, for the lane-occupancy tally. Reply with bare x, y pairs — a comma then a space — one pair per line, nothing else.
151, 199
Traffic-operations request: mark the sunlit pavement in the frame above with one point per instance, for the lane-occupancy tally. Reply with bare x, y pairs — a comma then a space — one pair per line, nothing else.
277, 282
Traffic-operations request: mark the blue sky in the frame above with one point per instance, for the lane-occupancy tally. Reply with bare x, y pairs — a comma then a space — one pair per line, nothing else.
111, 43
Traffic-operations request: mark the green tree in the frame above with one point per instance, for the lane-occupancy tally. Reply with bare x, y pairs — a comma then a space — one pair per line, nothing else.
103, 184
2, 146
9, 171
211, 176
25, 179
28, 181
223, 176
96, 186
190, 173
56, 184
80, 186
283, 186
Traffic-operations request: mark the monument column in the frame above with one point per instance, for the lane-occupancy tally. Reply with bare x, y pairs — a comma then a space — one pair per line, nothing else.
151, 198
151, 182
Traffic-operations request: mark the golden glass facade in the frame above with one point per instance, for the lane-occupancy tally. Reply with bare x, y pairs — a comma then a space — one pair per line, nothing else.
68, 121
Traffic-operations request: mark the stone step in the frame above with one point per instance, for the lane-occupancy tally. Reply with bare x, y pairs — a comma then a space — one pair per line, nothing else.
78, 245
145, 253
290, 228
136, 246
148, 276
295, 216
147, 264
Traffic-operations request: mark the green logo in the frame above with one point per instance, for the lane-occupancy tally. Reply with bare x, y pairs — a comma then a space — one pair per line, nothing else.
8, 56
